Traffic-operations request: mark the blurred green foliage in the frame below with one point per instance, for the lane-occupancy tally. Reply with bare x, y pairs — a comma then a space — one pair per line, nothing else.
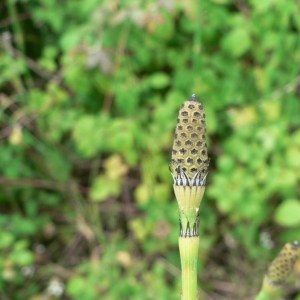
90, 92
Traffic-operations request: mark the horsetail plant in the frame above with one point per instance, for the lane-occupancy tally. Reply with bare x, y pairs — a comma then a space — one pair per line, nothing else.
279, 270
189, 168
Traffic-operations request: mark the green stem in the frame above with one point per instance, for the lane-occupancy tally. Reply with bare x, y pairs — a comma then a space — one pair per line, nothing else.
188, 248
262, 296
267, 291
189, 199
19, 38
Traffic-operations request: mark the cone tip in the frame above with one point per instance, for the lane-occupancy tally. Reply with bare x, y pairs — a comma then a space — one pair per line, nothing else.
193, 97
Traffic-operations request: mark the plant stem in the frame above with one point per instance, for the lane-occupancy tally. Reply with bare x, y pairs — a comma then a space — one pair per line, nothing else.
188, 248
262, 296
189, 167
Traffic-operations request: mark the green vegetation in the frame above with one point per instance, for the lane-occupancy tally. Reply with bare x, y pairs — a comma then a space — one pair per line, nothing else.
89, 95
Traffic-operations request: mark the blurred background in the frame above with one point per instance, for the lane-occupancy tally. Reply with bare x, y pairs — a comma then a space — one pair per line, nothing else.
89, 93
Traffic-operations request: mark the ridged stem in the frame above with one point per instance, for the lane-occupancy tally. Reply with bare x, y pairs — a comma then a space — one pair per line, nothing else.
188, 248
189, 199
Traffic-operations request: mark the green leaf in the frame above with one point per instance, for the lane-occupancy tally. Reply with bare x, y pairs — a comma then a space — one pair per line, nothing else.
22, 258
288, 213
103, 187
163, 27
159, 80
80, 286
237, 42
87, 135
6, 240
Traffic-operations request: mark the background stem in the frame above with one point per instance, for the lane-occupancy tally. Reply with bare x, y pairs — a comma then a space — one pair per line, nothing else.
262, 296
